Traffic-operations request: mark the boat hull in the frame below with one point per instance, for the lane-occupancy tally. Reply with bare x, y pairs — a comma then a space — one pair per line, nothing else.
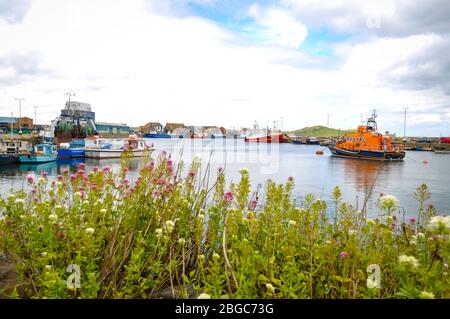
9, 158
32, 159
105, 153
157, 135
365, 154
265, 139
70, 153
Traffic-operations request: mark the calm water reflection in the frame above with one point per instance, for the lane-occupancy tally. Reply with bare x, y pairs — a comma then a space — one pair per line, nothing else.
312, 173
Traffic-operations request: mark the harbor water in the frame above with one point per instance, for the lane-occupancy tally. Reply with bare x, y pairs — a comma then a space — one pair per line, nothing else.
317, 174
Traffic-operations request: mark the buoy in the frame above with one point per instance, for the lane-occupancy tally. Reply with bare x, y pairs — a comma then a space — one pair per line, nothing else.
319, 152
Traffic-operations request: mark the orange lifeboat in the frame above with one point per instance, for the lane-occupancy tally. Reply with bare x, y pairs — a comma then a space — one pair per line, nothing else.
367, 143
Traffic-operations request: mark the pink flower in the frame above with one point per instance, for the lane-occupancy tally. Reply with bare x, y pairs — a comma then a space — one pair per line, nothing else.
191, 173
228, 196
393, 225
156, 193
290, 179
95, 168
33, 190
66, 172
253, 204
412, 220
105, 169
45, 174
60, 177
80, 172
81, 166
85, 178
344, 254
163, 153
30, 179
220, 169
72, 177
132, 190
125, 169
169, 163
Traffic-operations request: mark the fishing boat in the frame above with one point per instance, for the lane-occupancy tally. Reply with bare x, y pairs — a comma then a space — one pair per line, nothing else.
114, 148
367, 143
11, 149
444, 140
71, 150
40, 153
157, 134
312, 141
265, 138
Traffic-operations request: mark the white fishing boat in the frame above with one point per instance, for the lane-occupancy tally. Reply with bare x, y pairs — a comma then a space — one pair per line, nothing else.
114, 148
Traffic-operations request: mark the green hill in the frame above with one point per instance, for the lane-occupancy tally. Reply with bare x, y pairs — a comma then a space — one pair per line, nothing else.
320, 131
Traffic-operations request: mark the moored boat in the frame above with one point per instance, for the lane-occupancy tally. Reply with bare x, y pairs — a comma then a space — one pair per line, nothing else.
265, 138
41, 153
11, 149
157, 134
72, 150
367, 143
108, 148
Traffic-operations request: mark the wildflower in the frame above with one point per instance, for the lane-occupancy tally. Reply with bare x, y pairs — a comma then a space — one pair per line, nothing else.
220, 169
58, 184
59, 177
228, 196
344, 254
270, 288
86, 202
19, 201
77, 194
421, 235
105, 169
53, 216
204, 296
48, 267
30, 179
90, 230
169, 162
372, 283
73, 177
103, 211
426, 295
81, 166
371, 222
216, 256
181, 241
95, 168
328, 242
413, 243
291, 179
41, 180
388, 202
201, 258
158, 232
352, 232
243, 171
201, 217
292, 222
408, 261
439, 224
191, 174
169, 226
45, 174
412, 220
58, 207
253, 204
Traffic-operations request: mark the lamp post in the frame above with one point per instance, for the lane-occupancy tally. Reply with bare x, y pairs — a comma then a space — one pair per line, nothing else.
404, 124
70, 94
20, 113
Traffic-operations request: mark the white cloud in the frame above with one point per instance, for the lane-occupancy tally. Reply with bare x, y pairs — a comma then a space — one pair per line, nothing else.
277, 26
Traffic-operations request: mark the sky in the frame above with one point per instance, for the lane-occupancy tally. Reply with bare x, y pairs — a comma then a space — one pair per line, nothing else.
231, 62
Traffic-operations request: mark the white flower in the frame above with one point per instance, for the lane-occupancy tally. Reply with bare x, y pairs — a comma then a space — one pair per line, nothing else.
58, 184
372, 283
158, 232
352, 232
53, 216
58, 207
270, 288
41, 180
103, 211
77, 194
388, 202
181, 241
414, 237
48, 267
90, 230
426, 295
86, 202
292, 222
439, 224
408, 261
204, 296
201, 216
44, 254
413, 243
169, 226
19, 201
11, 196
421, 235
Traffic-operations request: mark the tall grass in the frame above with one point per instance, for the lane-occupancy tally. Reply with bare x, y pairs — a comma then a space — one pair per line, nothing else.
175, 236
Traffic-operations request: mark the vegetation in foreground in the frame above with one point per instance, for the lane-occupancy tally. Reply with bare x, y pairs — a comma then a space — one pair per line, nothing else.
97, 235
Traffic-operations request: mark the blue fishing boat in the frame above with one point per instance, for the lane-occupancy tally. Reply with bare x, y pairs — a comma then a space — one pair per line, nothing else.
41, 153
157, 134
74, 149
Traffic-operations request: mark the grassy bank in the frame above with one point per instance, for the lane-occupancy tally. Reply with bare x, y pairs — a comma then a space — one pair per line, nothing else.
97, 235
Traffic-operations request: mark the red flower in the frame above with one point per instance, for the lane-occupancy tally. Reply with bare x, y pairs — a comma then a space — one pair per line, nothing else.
228, 196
